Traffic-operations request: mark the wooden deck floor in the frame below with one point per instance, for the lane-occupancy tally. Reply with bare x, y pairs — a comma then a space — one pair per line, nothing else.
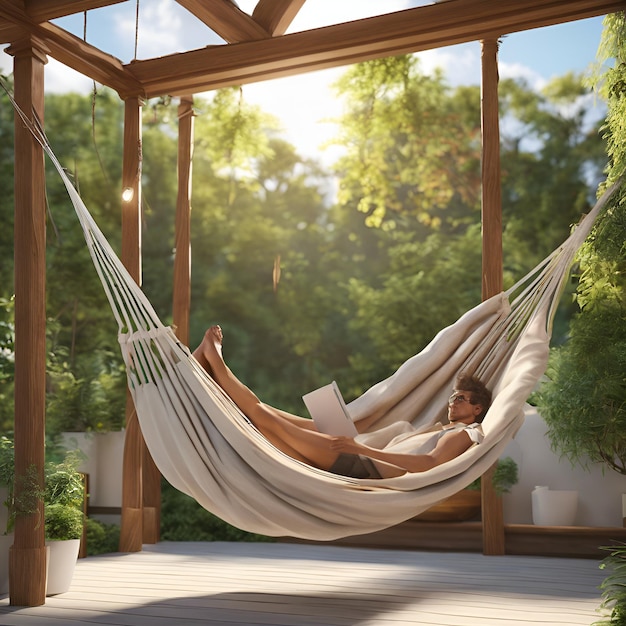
182, 584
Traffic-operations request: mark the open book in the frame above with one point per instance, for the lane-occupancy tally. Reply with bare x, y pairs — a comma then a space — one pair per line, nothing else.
329, 411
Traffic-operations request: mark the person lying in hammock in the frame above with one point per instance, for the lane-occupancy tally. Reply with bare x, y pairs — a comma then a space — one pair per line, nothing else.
298, 437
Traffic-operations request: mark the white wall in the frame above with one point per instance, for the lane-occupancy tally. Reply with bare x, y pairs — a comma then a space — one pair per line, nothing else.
104, 454
600, 494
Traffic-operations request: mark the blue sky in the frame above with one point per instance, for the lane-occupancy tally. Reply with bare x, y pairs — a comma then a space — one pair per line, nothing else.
302, 103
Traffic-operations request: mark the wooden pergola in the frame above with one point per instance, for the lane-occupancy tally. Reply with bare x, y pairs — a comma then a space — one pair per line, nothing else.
255, 48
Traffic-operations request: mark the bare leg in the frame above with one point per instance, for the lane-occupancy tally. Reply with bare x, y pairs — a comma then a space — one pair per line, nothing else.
304, 444
199, 354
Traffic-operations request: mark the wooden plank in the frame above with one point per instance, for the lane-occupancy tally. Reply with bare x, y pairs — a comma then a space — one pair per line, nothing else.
181, 305
520, 539
226, 19
275, 16
422, 28
296, 585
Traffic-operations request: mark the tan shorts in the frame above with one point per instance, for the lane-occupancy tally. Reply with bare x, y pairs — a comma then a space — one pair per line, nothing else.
354, 466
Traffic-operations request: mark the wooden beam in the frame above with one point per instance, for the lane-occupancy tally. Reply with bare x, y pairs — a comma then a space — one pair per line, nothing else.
9, 33
492, 279
73, 52
422, 28
131, 532
491, 503
27, 569
182, 258
275, 16
226, 19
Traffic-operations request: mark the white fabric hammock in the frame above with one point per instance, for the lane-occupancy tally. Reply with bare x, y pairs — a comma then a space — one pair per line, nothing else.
204, 446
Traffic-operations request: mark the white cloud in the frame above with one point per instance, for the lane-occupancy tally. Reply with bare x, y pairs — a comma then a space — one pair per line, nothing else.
460, 64
160, 28
520, 71
61, 79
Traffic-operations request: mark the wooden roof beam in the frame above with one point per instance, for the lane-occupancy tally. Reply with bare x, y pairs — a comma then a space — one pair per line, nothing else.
75, 53
413, 30
89, 60
275, 16
226, 19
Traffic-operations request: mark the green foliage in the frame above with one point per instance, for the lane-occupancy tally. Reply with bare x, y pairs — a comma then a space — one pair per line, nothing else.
183, 519
410, 150
504, 477
610, 82
7, 477
613, 587
63, 498
64, 483
7, 363
101, 538
63, 522
584, 398
27, 495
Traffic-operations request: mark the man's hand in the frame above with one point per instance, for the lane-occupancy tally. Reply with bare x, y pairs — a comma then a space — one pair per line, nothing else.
345, 444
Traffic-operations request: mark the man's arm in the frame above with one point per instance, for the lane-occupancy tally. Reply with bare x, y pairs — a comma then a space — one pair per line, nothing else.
447, 448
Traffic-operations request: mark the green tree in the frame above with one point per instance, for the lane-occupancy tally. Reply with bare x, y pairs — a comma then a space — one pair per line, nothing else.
584, 399
412, 166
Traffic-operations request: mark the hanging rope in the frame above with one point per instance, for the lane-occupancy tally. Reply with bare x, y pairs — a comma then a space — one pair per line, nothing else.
136, 29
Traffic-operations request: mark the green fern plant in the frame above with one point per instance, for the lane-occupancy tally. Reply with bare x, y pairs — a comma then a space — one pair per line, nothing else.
614, 587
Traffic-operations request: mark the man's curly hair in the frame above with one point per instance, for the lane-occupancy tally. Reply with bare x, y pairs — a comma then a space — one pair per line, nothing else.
480, 394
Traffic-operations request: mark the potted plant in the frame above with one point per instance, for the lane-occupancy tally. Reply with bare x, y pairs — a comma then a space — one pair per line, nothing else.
465, 505
64, 519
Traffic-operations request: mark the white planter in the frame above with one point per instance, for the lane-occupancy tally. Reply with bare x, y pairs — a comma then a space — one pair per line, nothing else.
6, 541
61, 563
554, 508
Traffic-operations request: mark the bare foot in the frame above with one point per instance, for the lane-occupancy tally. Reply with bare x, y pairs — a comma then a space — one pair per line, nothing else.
211, 345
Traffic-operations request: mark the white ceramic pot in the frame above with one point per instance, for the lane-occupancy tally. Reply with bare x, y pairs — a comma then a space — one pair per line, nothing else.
554, 508
61, 563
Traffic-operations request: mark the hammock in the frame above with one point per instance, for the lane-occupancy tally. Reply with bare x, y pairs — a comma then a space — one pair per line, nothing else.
205, 447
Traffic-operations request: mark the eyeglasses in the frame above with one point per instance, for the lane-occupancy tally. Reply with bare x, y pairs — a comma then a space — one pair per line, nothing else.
458, 397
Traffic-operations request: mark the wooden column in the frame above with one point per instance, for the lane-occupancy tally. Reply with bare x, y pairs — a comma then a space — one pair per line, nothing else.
182, 258
492, 279
27, 561
131, 534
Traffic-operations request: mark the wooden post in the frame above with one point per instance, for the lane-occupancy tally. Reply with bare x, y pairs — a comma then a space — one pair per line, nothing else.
27, 561
492, 279
182, 258
131, 533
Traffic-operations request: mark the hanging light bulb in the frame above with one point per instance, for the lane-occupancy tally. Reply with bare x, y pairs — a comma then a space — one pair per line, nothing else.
127, 194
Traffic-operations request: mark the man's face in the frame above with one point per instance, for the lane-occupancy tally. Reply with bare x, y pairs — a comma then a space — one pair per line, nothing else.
460, 409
